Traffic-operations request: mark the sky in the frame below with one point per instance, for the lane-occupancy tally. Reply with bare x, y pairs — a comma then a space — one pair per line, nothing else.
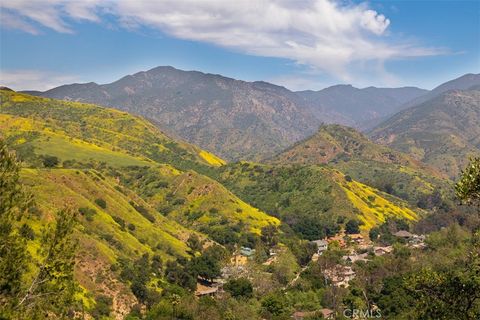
309, 44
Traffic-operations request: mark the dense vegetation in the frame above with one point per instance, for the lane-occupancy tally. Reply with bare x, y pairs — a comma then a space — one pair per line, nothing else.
107, 217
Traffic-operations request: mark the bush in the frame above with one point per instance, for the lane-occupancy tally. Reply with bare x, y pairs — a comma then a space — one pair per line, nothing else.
240, 287
143, 211
352, 226
119, 221
102, 307
50, 161
27, 232
88, 213
101, 203
131, 227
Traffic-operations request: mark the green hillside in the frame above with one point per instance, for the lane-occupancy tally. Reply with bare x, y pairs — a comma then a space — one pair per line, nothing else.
313, 200
106, 235
442, 132
378, 166
134, 189
88, 136
35, 125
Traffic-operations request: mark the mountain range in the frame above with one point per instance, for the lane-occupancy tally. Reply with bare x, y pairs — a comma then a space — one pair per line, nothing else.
244, 120
443, 132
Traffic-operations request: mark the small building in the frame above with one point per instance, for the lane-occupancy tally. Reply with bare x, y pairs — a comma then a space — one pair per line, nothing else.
380, 251
356, 238
322, 245
247, 252
238, 260
205, 289
327, 313
339, 239
403, 234
356, 257
340, 275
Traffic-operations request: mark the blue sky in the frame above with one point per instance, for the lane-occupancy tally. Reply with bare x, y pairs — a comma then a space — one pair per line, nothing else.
307, 44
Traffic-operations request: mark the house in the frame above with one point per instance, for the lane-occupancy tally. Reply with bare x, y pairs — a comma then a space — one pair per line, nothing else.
380, 251
322, 245
327, 313
205, 288
403, 234
356, 238
337, 238
247, 252
238, 260
340, 275
356, 257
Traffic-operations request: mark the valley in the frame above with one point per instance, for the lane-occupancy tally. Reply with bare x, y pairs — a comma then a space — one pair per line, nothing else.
158, 218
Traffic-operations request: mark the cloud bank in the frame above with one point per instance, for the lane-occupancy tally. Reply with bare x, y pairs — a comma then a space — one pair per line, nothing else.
325, 35
33, 79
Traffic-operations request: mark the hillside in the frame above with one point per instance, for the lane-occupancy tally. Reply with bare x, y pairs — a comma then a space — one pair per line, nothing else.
235, 119
313, 200
442, 132
355, 107
464, 82
96, 132
373, 164
232, 118
135, 190
106, 234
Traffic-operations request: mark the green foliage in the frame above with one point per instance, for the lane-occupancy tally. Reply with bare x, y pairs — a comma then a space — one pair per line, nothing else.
27, 232
447, 294
239, 288
194, 243
103, 307
352, 226
101, 203
53, 287
468, 187
274, 305
50, 161
13, 256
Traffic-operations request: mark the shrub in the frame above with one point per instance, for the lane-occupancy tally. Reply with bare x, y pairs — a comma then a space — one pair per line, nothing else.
88, 213
50, 161
119, 221
101, 203
102, 307
352, 226
240, 287
27, 232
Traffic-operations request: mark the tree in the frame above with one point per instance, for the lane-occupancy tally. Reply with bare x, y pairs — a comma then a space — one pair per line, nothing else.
14, 201
374, 233
240, 287
468, 187
269, 235
52, 290
194, 243
352, 226
50, 161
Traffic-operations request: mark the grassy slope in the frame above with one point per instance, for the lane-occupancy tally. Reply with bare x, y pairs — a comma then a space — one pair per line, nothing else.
89, 135
102, 241
375, 165
286, 191
106, 128
194, 200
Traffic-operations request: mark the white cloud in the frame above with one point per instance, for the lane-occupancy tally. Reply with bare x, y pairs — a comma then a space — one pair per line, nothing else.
33, 79
325, 35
